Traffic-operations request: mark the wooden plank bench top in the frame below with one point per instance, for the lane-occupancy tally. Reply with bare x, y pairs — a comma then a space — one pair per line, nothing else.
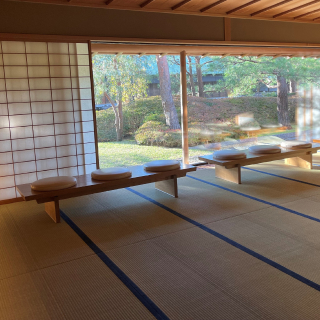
230, 169
166, 181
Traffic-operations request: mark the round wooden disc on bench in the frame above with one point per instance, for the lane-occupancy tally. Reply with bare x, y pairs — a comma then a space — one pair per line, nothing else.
295, 144
229, 155
264, 149
111, 174
161, 165
54, 183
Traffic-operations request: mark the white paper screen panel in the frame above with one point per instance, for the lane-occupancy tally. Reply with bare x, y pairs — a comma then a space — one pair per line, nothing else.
46, 118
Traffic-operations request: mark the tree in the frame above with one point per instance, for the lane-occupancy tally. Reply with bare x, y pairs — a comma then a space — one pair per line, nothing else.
169, 108
243, 74
197, 64
190, 74
199, 76
119, 78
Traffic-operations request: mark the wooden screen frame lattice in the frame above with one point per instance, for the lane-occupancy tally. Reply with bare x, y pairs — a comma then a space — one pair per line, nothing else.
77, 118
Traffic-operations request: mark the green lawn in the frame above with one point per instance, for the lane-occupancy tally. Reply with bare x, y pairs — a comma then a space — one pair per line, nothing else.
129, 153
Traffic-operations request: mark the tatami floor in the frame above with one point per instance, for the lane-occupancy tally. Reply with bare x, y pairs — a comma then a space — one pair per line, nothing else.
219, 251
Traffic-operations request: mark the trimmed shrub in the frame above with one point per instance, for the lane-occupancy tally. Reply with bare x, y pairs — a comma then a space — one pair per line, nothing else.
153, 133
150, 133
106, 125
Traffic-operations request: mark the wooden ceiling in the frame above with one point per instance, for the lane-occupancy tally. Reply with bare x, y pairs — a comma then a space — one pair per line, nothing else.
284, 10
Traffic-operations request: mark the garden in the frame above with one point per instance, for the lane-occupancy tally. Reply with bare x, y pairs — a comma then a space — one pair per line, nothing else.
138, 127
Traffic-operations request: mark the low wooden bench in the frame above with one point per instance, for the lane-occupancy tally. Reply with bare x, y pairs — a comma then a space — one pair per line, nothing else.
230, 170
165, 181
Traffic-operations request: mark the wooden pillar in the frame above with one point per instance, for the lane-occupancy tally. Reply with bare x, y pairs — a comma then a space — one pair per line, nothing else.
311, 113
227, 29
93, 107
184, 107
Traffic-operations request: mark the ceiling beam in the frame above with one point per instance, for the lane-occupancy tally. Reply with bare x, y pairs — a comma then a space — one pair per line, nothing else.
200, 50
243, 6
212, 5
306, 14
296, 8
271, 7
145, 3
180, 4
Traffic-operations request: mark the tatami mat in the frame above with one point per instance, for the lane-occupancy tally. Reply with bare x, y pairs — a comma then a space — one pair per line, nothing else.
49, 272
48, 243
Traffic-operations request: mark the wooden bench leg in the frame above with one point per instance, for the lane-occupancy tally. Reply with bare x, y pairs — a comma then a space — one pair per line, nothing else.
232, 174
168, 186
304, 161
53, 210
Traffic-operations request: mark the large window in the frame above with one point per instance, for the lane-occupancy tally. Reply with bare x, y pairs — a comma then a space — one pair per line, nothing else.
138, 108
233, 102
240, 101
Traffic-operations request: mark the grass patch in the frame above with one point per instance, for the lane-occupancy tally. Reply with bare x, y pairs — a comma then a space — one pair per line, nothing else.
129, 153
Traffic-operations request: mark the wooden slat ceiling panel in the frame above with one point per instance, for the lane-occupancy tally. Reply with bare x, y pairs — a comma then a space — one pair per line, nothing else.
255, 7
292, 5
284, 10
302, 11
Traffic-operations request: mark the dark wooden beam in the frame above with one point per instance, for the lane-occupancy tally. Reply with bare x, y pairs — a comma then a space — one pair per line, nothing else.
306, 14
212, 5
243, 6
106, 2
145, 3
271, 7
296, 8
180, 4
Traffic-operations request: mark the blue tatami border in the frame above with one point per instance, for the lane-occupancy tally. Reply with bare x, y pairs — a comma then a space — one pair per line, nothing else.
142, 297
239, 246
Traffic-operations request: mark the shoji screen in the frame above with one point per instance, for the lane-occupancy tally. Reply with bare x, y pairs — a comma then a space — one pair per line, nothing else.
46, 118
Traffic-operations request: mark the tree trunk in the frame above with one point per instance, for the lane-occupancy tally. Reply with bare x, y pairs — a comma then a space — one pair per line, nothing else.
293, 86
118, 122
199, 76
282, 102
169, 109
119, 113
193, 89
